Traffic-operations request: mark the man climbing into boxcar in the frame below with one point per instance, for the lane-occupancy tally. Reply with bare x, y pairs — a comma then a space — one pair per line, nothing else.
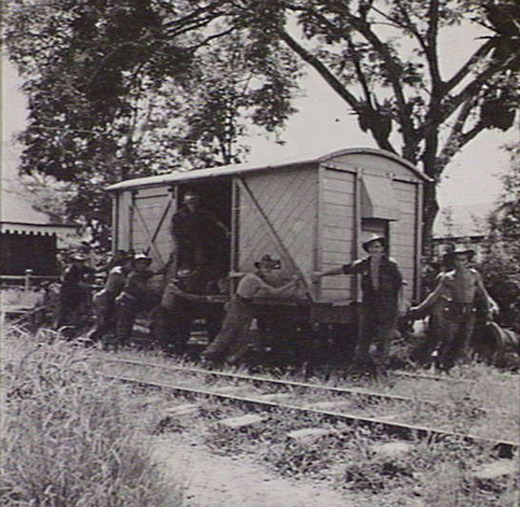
232, 341
454, 299
104, 300
195, 235
381, 282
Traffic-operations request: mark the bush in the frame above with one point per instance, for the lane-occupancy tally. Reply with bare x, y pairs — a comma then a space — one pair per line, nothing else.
67, 439
501, 273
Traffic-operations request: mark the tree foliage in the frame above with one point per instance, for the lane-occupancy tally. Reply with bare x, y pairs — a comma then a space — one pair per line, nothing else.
127, 88
135, 86
505, 218
501, 266
388, 61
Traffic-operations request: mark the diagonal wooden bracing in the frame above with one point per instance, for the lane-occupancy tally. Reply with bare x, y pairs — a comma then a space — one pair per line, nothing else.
288, 202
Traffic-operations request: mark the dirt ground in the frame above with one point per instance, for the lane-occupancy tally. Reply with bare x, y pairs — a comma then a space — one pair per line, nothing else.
210, 480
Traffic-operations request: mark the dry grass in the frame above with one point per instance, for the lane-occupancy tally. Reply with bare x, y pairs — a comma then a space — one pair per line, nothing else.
19, 297
433, 472
69, 439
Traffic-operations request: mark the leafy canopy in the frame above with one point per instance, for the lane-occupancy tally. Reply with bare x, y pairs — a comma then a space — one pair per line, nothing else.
124, 88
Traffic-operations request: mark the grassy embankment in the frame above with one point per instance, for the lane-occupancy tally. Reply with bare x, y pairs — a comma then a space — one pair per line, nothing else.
69, 438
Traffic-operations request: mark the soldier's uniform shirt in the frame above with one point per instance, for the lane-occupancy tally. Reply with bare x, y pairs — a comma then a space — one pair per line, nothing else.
193, 227
72, 278
196, 235
114, 285
382, 293
251, 285
136, 285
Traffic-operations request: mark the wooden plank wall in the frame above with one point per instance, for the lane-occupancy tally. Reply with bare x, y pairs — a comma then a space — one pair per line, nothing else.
149, 205
403, 233
289, 199
374, 164
122, 215
337, 231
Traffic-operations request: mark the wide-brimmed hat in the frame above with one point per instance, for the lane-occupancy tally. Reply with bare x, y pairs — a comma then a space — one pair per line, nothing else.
372, 239
468, 252
78, 258
142, 257
191, 196
267, 261
186, 273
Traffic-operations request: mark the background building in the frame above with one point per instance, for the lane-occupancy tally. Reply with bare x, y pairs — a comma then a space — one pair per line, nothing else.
27, 239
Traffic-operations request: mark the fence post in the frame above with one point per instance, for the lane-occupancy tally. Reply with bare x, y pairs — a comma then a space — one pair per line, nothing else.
28, 274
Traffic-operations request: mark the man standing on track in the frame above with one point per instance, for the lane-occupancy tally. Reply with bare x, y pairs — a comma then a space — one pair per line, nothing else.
381, 282
455, 299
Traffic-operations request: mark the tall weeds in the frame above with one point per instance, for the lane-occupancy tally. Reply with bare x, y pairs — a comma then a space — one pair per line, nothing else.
69, 438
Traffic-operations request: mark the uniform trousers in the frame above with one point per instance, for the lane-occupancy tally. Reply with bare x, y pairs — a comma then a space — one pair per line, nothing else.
126, 309
104, 309
233, 339
378, 328
455, 324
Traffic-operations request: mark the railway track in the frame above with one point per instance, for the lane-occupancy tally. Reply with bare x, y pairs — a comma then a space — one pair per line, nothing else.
352, 405
438, 378
288, 384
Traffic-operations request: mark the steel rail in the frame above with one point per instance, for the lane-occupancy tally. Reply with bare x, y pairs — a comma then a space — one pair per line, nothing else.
264, 380
438, 378
505, 448
290, 383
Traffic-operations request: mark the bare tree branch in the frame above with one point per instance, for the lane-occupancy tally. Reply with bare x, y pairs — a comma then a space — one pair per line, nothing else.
457, 137
316, 63
469, 66
431, 46
470, 90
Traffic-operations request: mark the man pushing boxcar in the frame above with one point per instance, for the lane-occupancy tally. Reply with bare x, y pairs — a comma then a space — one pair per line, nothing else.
136, 296
381, 282
454, 300
232, 341
74, 292
104, 300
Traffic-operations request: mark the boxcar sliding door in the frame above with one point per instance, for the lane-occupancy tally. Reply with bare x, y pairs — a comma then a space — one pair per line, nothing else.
150, 211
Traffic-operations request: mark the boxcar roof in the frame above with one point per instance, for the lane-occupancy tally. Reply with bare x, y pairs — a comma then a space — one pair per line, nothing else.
228, 170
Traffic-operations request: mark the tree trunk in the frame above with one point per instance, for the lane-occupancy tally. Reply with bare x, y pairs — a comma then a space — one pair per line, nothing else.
430, 210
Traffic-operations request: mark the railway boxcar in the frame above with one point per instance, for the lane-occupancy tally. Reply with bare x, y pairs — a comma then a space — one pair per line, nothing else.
311, 213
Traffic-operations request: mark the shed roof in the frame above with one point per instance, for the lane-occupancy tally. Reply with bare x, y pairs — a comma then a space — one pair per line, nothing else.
18, 215
227, 170
12, 227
